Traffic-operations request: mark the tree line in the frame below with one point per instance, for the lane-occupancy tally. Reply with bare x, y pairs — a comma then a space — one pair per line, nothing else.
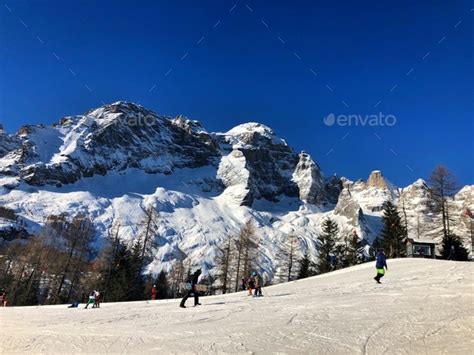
63, 263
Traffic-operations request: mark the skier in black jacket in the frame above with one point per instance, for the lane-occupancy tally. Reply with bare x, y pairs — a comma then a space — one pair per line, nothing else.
192, 291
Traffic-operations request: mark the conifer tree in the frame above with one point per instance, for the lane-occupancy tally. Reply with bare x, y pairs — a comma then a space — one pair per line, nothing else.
393, 236
162, 286
352, 249
327, 244
306, 267
453, 249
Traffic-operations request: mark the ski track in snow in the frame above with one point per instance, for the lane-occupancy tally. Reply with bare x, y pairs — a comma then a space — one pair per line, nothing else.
423, 306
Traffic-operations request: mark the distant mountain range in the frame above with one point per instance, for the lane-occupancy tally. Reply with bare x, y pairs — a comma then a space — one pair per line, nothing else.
116, 160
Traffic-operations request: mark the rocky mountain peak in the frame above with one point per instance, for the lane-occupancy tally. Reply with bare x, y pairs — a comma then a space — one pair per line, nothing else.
309, 179
254, 134
377, 180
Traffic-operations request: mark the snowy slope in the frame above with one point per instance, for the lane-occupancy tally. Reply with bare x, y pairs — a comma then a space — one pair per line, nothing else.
423, 306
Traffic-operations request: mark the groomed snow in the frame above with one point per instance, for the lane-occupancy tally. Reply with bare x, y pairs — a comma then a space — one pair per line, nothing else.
423, 306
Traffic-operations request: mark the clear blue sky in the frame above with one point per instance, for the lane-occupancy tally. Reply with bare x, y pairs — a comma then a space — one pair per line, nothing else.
255, 62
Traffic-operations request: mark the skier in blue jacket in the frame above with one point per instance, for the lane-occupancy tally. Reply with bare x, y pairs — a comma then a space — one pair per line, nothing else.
380, 265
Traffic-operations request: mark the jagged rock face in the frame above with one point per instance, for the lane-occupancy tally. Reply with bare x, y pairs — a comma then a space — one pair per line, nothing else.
333, 188
309, 179
197, 181
123, 135
7, 143
348, 207
266, 167
113, 137
463, 214
376, 180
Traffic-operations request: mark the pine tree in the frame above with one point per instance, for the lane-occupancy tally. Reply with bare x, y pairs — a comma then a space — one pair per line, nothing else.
306, 267
327, 244
137, 286
393, 235
162, 287
340, 256
352, 249
453, 249
121, 275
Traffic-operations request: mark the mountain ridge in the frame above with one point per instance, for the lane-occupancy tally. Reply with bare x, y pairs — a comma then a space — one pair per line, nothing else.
116, 158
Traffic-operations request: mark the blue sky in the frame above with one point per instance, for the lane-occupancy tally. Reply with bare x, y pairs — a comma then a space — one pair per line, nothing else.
285, 64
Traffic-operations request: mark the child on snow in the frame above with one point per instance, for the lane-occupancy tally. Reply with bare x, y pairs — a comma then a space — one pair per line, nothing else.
380, 265
91, 299
97, 299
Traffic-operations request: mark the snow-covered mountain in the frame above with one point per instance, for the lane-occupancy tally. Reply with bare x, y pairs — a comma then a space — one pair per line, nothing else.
115, 161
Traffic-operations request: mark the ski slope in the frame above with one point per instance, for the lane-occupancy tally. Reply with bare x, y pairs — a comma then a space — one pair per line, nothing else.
423, 307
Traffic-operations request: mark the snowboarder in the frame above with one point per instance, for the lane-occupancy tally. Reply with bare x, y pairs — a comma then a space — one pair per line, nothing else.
91, 300
192, 291
258, 285
153, 293
380, 265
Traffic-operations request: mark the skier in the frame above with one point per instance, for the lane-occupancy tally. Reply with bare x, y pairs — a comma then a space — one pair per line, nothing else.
192, 291
258, 285
91, 300
244, 283
153, 293
380, 265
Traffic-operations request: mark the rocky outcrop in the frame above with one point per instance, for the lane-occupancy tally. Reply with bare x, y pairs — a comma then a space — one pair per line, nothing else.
348, 207
258, 161
114, 137
376, 180
308, 177
7, 143
243, 166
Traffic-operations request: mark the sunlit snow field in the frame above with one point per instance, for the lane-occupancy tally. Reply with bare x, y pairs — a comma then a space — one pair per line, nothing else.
423, 307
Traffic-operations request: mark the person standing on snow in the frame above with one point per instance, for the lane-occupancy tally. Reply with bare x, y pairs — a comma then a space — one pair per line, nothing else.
97, 299
192, 291
250, 285
91, 299
153, 293
380, 265
258, 285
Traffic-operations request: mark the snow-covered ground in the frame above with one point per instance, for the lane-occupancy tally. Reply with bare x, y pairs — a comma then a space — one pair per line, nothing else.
423, 307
